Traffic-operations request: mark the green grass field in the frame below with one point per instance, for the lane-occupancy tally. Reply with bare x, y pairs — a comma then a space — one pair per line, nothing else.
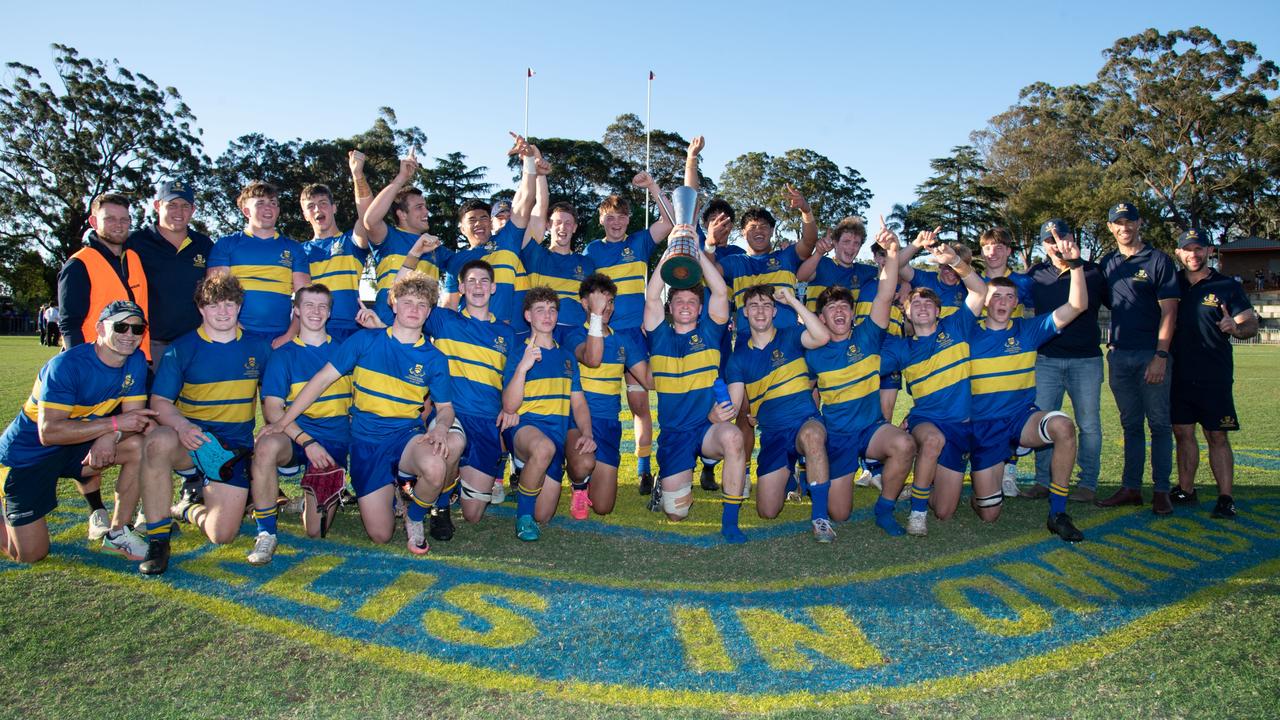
82, 636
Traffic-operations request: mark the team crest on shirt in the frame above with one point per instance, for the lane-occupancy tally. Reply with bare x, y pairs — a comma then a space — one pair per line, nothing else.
568, 368
490, 246
198, 261
627, 254
1011, 346
695, 343
1211, 300
286, 257
251, 369
336, 247
1141, 275
853, 354
773, 263
415, 375
577, 272
944, 340
127, 382
500, 344
778, 359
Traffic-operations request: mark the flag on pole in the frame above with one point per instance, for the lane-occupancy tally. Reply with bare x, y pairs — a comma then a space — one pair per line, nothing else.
531, 73
650, 74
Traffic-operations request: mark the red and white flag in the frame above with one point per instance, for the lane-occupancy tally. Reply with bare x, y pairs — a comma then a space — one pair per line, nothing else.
531, 72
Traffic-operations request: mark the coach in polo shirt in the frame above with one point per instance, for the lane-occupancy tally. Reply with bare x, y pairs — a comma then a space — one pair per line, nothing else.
1214, 308
1143, 286
173, 257
1070, 363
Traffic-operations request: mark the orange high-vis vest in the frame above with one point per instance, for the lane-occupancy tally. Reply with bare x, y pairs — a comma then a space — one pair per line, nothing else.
106, 286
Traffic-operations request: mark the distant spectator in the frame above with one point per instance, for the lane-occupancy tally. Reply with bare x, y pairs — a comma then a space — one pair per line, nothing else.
52, 335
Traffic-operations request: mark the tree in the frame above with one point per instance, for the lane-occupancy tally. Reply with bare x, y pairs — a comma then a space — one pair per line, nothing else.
583, 174
906, 220
757, 179
448, 185
625, 138
957, 197
104, 128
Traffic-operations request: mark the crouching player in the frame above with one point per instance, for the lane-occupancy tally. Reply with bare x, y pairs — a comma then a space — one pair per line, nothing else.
205, 394
684, 355
848, 371
312, 449
69, 427
541, 386
604, 356
1002, 374
394, 373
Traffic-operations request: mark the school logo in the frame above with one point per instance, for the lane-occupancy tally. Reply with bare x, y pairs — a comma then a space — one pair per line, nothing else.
251, 369
500, 344
577, 272
853, 353
1211, 300
1228, 423
1011, 346
773, 263
627, 255
695, 343
1141, 275
198, 260
568, 368
336, 247
490, 246
127, 382
944, 340
286, 258
415, 375
778, 359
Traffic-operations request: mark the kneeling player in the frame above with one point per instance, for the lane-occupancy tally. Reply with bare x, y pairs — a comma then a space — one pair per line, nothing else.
541, 385
604, 357
204, 395
69, 427
393, 373
848, 370
314, 448
1003, 379
685, 357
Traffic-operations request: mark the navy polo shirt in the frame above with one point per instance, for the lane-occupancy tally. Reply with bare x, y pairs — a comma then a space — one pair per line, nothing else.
1202, 352
172, 274
1049, 290
1137, 284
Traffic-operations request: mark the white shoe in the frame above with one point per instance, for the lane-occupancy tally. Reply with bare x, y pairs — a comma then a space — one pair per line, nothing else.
918, 523
416, 539
99, 524
264, 548
499, 494
127, 543
1009, 483
822, 530
866, 479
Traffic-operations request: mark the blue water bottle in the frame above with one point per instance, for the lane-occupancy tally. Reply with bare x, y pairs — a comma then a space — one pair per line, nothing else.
722, 392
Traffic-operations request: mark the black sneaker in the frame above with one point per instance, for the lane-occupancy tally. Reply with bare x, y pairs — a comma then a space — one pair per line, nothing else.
1182, 497
1224, 509
346, 498
193, 490
646, 484
157, 559
441, 524
1062, 526
709, 478
655, 498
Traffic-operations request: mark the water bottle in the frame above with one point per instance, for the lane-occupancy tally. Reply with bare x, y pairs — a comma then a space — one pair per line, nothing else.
721, 392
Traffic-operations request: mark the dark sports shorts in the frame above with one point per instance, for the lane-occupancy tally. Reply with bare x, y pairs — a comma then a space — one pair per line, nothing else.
995, 441
955, 453
30, 492
1210, 406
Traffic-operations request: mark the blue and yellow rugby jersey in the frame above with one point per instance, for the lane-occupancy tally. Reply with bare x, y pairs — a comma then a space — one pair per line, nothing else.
866, 296
685, 366
388, 258
776, 377
390, 382
80, 384
562, 273
476, 351
848, 373
1026, 305
547, 385
502, 251
626, 262
213, 384
1002, 366
602, 385
265, 268
935, 368
952, 295
338, 263
830, 274
777, 268
328, 419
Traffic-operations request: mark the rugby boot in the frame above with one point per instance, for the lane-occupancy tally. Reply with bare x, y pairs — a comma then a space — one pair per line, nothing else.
441, 524
1062, 526
157, 559
646, 483
708, 481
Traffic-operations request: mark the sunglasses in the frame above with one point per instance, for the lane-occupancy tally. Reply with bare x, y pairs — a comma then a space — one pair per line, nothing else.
124, 327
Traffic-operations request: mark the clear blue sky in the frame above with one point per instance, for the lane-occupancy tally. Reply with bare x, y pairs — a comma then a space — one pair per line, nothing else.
881, 89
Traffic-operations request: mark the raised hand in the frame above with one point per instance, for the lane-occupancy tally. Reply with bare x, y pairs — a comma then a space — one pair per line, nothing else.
532, 354
1228, 323
355, 161
542, 167
408, 167
825, 245
784, 295
943, 253
597, 303
886, 238
1066, 247
519, 146
927, 238
367, 318
425, 245
643, 180
796, 200
696, 145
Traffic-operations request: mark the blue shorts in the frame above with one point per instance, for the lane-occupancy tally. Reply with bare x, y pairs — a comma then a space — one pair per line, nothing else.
239, 474
30, 492
955, 453
555, 470
484, 445
680, 448
994, 441
778, 448
608, 436
845, 450
374, 463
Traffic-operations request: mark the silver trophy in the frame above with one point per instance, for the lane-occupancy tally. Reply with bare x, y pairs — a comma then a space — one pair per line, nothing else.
681, 269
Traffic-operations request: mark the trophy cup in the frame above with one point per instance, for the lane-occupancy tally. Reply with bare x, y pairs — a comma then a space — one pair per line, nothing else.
681, 270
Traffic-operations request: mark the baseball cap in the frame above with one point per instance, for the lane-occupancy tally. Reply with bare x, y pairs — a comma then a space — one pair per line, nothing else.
121, 310
500, 206
175, 189
1049, 226
1193, 237
1123, 211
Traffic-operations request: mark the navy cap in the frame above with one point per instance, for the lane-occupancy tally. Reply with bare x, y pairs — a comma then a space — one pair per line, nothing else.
1123, 211
1193, 237
1046, 230
175, 189
500, 206
120, 310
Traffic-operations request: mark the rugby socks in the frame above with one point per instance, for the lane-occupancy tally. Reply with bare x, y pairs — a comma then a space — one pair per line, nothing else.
416, 510
159, 531
526, 498
1057, 499
884, 517
819, 495
586, 481
642, 459
446, 495
729, 507
95, 500
266, 519
919, 498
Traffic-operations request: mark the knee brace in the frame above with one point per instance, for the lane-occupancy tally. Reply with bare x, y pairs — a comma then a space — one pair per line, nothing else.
633, 388
989, 501
678, 502
1044, 424
291, 472
471, 493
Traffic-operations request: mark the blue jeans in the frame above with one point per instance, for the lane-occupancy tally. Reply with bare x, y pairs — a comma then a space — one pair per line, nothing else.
1081, 379
1136, 400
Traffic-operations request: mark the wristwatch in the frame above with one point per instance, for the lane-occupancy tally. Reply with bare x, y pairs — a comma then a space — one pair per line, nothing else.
1162, 354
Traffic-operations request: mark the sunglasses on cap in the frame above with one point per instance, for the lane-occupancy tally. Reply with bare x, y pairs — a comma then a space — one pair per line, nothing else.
124, 327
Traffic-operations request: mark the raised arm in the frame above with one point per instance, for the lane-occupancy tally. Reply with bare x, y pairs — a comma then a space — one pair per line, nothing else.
522, 203
364, 197
513, 393
815, 333
882, 306
808, 225
662, 226
718, 305
977, 296
654, 309
924, 239
537, 228
809, 267
1077, 293
691, 161
375, 223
